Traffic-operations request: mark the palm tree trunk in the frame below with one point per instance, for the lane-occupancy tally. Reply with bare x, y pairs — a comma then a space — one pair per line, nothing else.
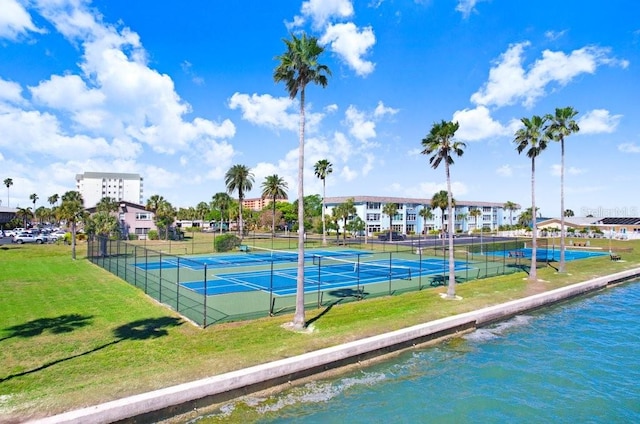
451, 289
324, 228
73, 240
298, 318
273, 219
240, 214
533, 271
561, 268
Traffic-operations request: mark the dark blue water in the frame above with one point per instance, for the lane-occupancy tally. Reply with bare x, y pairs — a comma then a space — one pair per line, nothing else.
578, 362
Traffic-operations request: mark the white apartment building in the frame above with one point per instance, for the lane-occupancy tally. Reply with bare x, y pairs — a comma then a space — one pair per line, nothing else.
93, 186
409, 221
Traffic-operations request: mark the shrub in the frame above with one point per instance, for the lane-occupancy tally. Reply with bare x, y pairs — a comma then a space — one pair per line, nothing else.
152, 235
226, 242
133, 237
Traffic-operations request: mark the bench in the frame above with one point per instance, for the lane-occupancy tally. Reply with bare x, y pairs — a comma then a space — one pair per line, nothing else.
516, 254
615, 257
243, 248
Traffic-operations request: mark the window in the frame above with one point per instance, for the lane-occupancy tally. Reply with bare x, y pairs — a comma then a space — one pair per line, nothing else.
141, 231
373, 205
143, 216
373, 217
411, 217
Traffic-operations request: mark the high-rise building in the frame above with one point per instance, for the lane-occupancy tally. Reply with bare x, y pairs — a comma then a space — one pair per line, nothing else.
93, 186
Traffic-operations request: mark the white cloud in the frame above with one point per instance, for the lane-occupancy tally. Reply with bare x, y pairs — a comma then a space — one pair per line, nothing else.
331, 108
321, 11
14, 20
359, 126
351, 44
10, 92
629, 148
466, 7
477, 124
571, 170
554, 35
382, 110
505, 171
265, 110
509, 82
428, 189
348, 174
598, 121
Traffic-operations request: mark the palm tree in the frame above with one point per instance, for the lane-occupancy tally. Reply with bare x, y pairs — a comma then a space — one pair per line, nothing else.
390, 209
297, 67
562, 125
53, 199
154, 204
239, 178
8, 182
426, 214
202, 209
475, 213
274, 187
34, 198
71, 210
440, 144
533, 139
26, 214
568, 213
440, 200
510, 206
221, 201
346, 210
322, 169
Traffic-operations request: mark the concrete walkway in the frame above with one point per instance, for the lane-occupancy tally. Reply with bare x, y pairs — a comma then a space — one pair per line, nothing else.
148, 407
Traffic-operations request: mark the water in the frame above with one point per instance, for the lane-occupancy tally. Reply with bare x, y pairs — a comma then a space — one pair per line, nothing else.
576, 362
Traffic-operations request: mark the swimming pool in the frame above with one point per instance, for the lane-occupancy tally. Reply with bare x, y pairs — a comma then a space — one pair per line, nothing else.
549, 254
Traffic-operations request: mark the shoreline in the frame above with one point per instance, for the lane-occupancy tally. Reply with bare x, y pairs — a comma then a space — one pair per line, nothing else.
180, 399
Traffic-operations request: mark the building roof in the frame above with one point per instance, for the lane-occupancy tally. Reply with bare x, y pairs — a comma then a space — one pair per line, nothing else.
419, 201
108, 175
121, 204
620, 221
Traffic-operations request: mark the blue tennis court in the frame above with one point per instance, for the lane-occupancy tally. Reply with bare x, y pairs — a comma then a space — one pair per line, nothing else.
327, 274
253, 257
547, 254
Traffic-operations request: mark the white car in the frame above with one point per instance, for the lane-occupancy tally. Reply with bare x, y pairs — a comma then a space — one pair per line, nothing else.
57, 235
29, 238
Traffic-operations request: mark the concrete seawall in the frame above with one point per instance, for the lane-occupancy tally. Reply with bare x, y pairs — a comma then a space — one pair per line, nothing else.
185, 397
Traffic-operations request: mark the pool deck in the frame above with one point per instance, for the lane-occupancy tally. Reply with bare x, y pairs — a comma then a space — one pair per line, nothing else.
170, 401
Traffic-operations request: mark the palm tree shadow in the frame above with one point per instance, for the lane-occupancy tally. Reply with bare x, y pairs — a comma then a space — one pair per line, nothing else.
57, 325
151, 328
321, 314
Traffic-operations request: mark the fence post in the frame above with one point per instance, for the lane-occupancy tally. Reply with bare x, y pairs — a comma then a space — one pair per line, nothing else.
204, 319
178, 287
160, 280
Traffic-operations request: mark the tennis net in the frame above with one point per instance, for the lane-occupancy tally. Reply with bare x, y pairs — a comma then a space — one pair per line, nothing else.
362, 269
273, 255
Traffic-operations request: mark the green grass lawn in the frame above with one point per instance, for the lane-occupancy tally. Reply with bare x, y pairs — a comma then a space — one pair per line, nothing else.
74, 335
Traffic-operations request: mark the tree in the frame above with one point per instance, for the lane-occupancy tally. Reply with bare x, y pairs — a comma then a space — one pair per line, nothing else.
53, 199
8, 182
25, 214
202, 209
510, 206
442, 147
568, 213
440, 200
426, 214
221, 201
71, 210
239, 178
344, 211
322, 169
562, 125
163, 212
390, 209
34, 198
274, 187
532, 139
476, 213
297, 67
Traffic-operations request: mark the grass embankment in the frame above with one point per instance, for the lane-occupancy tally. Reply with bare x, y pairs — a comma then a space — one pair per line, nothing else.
73, 335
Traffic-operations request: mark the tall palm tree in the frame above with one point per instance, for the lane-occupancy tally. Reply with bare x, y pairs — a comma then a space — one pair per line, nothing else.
34, 198
239, 178
442, 147
322, 169
562, 125
533, 139
346, 210
274, 187
53, 199
297, 67
510, 206
390, 209
8, 182
426, 214
71, 210
221, 201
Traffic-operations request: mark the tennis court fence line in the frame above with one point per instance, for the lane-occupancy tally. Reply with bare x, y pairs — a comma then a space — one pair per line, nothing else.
233, 286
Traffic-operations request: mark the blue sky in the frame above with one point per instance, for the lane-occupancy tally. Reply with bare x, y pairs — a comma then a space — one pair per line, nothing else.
181, 91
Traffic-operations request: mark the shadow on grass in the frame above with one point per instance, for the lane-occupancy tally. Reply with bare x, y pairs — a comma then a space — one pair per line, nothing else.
57, 325
321, 314
151, 328
443, 280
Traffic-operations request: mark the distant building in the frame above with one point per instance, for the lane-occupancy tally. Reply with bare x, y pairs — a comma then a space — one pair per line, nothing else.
256, 204
6, 215
407, 219
93, 186
133, 219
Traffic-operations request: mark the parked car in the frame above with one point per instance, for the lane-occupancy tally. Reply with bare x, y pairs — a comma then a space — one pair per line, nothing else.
395, 236
57, 235
29, 238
